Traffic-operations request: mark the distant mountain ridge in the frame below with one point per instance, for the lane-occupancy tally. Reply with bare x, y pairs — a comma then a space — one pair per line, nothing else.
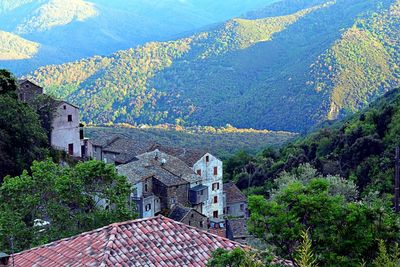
68, 30
284, 72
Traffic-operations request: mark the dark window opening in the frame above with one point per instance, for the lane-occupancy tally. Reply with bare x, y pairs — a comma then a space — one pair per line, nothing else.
81, 136
65, 106
215, 214
69, 118
199, 172
216, 199
145, 187
71, 149
207, 158
215, 170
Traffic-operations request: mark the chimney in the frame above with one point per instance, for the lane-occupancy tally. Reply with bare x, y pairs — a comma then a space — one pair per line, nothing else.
4, 258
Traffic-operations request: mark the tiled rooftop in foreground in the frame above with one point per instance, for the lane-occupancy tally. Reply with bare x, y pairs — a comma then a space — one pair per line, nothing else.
157, 241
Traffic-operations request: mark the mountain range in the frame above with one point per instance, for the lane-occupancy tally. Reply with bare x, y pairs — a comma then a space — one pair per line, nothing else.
287, 66
67, 30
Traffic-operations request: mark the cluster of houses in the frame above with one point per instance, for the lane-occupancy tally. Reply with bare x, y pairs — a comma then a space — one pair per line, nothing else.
185, 186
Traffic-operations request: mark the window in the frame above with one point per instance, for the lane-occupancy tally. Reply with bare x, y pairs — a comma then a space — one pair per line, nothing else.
71, 149
201, 224
201, 192
190, 223
241, 207
145, 187
215, 214
215, 170
65, 106
199, 172
69, 118
216, 199
148, 207
207, 159
215, 186
81, 135
173, 200
192, 215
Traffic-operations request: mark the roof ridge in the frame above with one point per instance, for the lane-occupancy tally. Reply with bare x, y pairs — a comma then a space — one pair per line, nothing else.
105, 261
204, 231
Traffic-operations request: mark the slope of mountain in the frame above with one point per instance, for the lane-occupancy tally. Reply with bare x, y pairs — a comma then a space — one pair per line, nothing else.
73, 29
56, 13
283, 72
361, 148
13, 47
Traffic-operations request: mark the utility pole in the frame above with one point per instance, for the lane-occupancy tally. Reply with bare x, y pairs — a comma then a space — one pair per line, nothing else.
397, 181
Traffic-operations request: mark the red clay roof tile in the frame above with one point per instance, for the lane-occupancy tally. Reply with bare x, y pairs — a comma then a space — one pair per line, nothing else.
156, 241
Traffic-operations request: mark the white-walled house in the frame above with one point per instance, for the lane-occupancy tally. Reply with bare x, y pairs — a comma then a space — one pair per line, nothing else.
66, 132
210, 169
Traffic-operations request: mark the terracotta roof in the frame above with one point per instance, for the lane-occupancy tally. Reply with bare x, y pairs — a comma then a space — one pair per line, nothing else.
233, 194
156, 241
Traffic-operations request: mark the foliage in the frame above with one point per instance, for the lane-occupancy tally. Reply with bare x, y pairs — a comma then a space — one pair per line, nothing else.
343, 232
384, 259
280, 67
306, 257
359, 149
13, 47
218, 141
8, 83
22, 139
239, 258
70, 200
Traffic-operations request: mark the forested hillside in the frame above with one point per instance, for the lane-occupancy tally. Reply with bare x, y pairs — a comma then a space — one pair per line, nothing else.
14, 47
294, 63
360, 149
73, 29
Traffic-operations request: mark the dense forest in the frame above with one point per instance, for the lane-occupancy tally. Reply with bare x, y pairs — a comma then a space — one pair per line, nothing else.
325, 199
293, 64
361, 149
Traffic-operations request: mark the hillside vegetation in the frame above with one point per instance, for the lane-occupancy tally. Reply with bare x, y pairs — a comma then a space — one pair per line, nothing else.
56, 13
312, 61
360, 149
69, 30
223, 142
13, 47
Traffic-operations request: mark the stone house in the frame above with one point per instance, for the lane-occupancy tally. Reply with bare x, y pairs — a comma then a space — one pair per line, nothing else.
237, 230
66, 130
117, 149
189, 216
28, 91
160, 182
235, 202
173, 181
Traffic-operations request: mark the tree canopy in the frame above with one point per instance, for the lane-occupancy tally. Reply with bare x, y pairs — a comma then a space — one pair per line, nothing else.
56, 202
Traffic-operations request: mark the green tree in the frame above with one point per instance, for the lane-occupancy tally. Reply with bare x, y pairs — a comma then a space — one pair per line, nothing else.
8, 83
342, 232
72, 200
22, 139
237, 258
305, 256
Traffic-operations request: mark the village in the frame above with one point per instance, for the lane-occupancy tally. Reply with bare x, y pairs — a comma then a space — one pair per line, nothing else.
178, 187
